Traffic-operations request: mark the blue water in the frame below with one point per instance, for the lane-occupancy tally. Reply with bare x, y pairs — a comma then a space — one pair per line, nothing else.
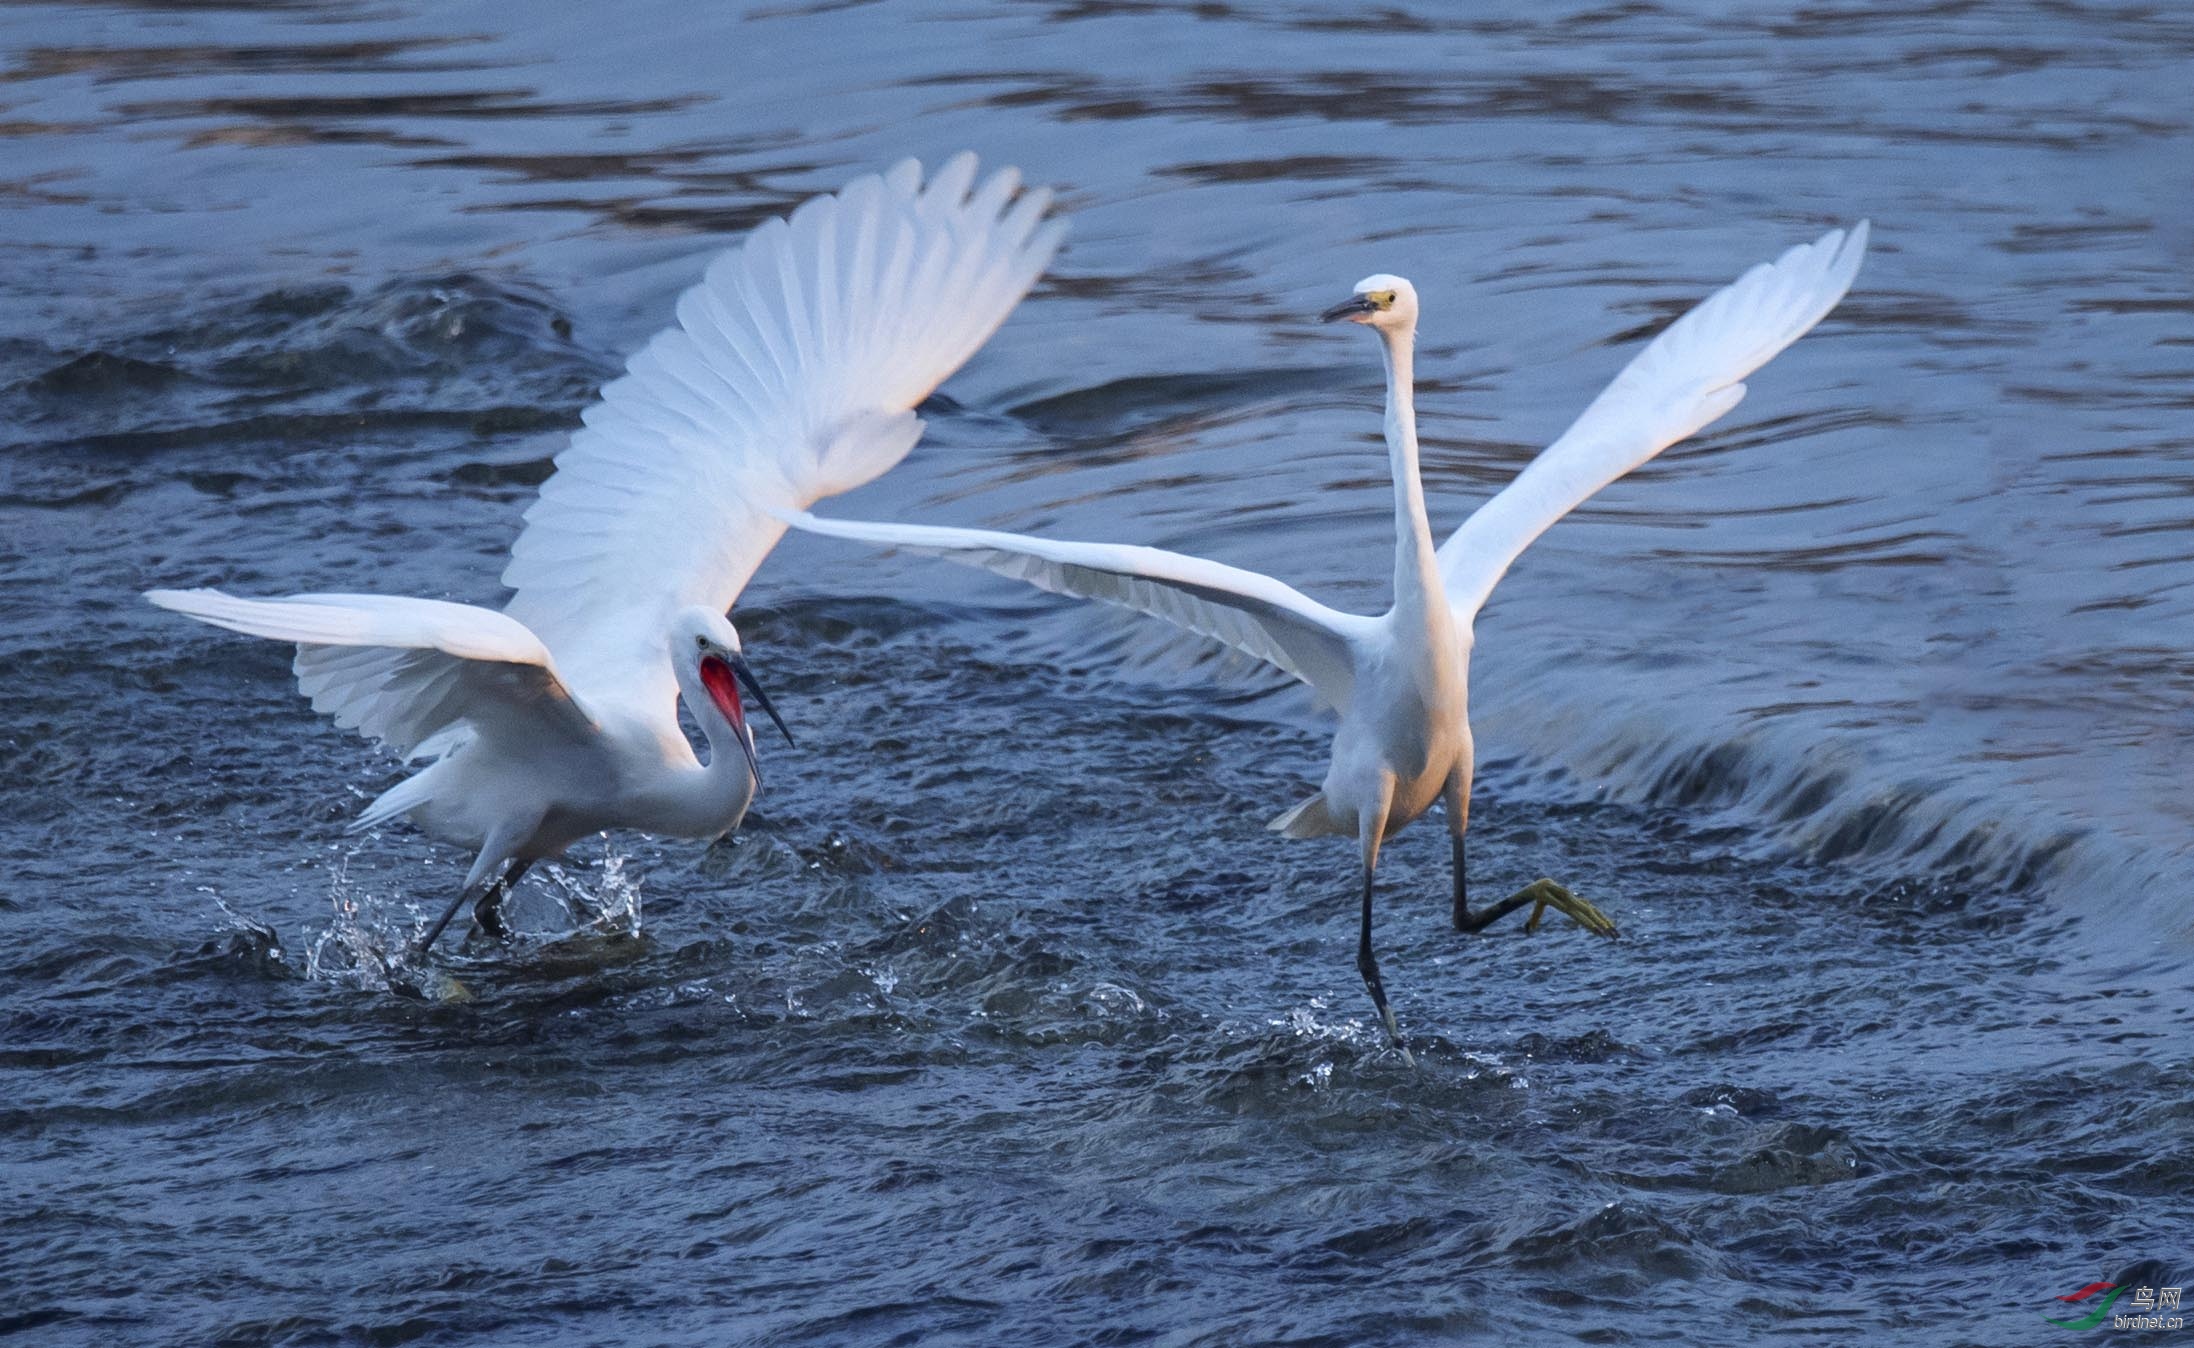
1003, 1020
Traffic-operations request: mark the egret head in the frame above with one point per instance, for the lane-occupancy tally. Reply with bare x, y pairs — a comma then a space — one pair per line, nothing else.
1382, 301
704, 641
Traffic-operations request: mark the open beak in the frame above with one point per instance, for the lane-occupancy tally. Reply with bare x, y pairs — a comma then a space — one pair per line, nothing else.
740, 667
744, 733
1356, 307
717, 675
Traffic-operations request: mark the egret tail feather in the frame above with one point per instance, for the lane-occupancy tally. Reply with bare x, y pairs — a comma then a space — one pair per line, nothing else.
397, 802
1311, 819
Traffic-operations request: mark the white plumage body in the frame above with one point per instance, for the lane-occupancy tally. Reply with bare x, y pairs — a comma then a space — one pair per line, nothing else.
1400, 681
793, 374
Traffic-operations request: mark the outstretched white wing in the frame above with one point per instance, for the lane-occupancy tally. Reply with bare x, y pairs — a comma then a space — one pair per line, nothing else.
406, 672
1684, 379
792, 375
1252, 613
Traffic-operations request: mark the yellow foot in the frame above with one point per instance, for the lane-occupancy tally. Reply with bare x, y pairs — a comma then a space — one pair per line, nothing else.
1547, 894
428, 985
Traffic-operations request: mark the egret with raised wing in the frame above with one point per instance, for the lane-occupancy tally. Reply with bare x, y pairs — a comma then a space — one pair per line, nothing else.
1400, 681
793, 374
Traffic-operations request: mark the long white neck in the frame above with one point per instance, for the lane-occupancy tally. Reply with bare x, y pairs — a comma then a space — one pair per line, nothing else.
1416, 575
704, 801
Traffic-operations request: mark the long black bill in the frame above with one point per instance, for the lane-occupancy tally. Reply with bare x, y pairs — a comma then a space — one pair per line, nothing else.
1357, 304
745, 735
740, 667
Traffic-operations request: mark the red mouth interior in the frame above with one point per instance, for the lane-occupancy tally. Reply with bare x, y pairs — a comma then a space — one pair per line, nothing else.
723, 690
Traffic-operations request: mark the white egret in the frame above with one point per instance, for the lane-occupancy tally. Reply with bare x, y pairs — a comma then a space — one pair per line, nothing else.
793, 374
1399, 681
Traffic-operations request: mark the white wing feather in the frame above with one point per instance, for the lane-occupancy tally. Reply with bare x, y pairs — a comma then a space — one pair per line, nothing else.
406, 672
1252, 613
1685, 379
792, 375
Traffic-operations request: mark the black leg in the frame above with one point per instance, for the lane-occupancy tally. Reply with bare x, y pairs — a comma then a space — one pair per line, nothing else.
1368, 966
490, 897
1465, 920
1462, 888
488, 912
419, 947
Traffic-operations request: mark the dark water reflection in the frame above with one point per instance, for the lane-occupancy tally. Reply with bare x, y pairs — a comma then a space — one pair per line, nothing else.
1867, 714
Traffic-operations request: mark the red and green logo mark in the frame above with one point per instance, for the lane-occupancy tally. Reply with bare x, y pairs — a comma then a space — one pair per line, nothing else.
2101, 1311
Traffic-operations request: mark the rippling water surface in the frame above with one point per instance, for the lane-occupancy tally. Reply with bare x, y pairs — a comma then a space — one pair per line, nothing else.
1003, 1020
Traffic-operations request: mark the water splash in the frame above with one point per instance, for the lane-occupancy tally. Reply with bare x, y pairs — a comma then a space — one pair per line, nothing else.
363, 948
264, 940
607, 903
368, 944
